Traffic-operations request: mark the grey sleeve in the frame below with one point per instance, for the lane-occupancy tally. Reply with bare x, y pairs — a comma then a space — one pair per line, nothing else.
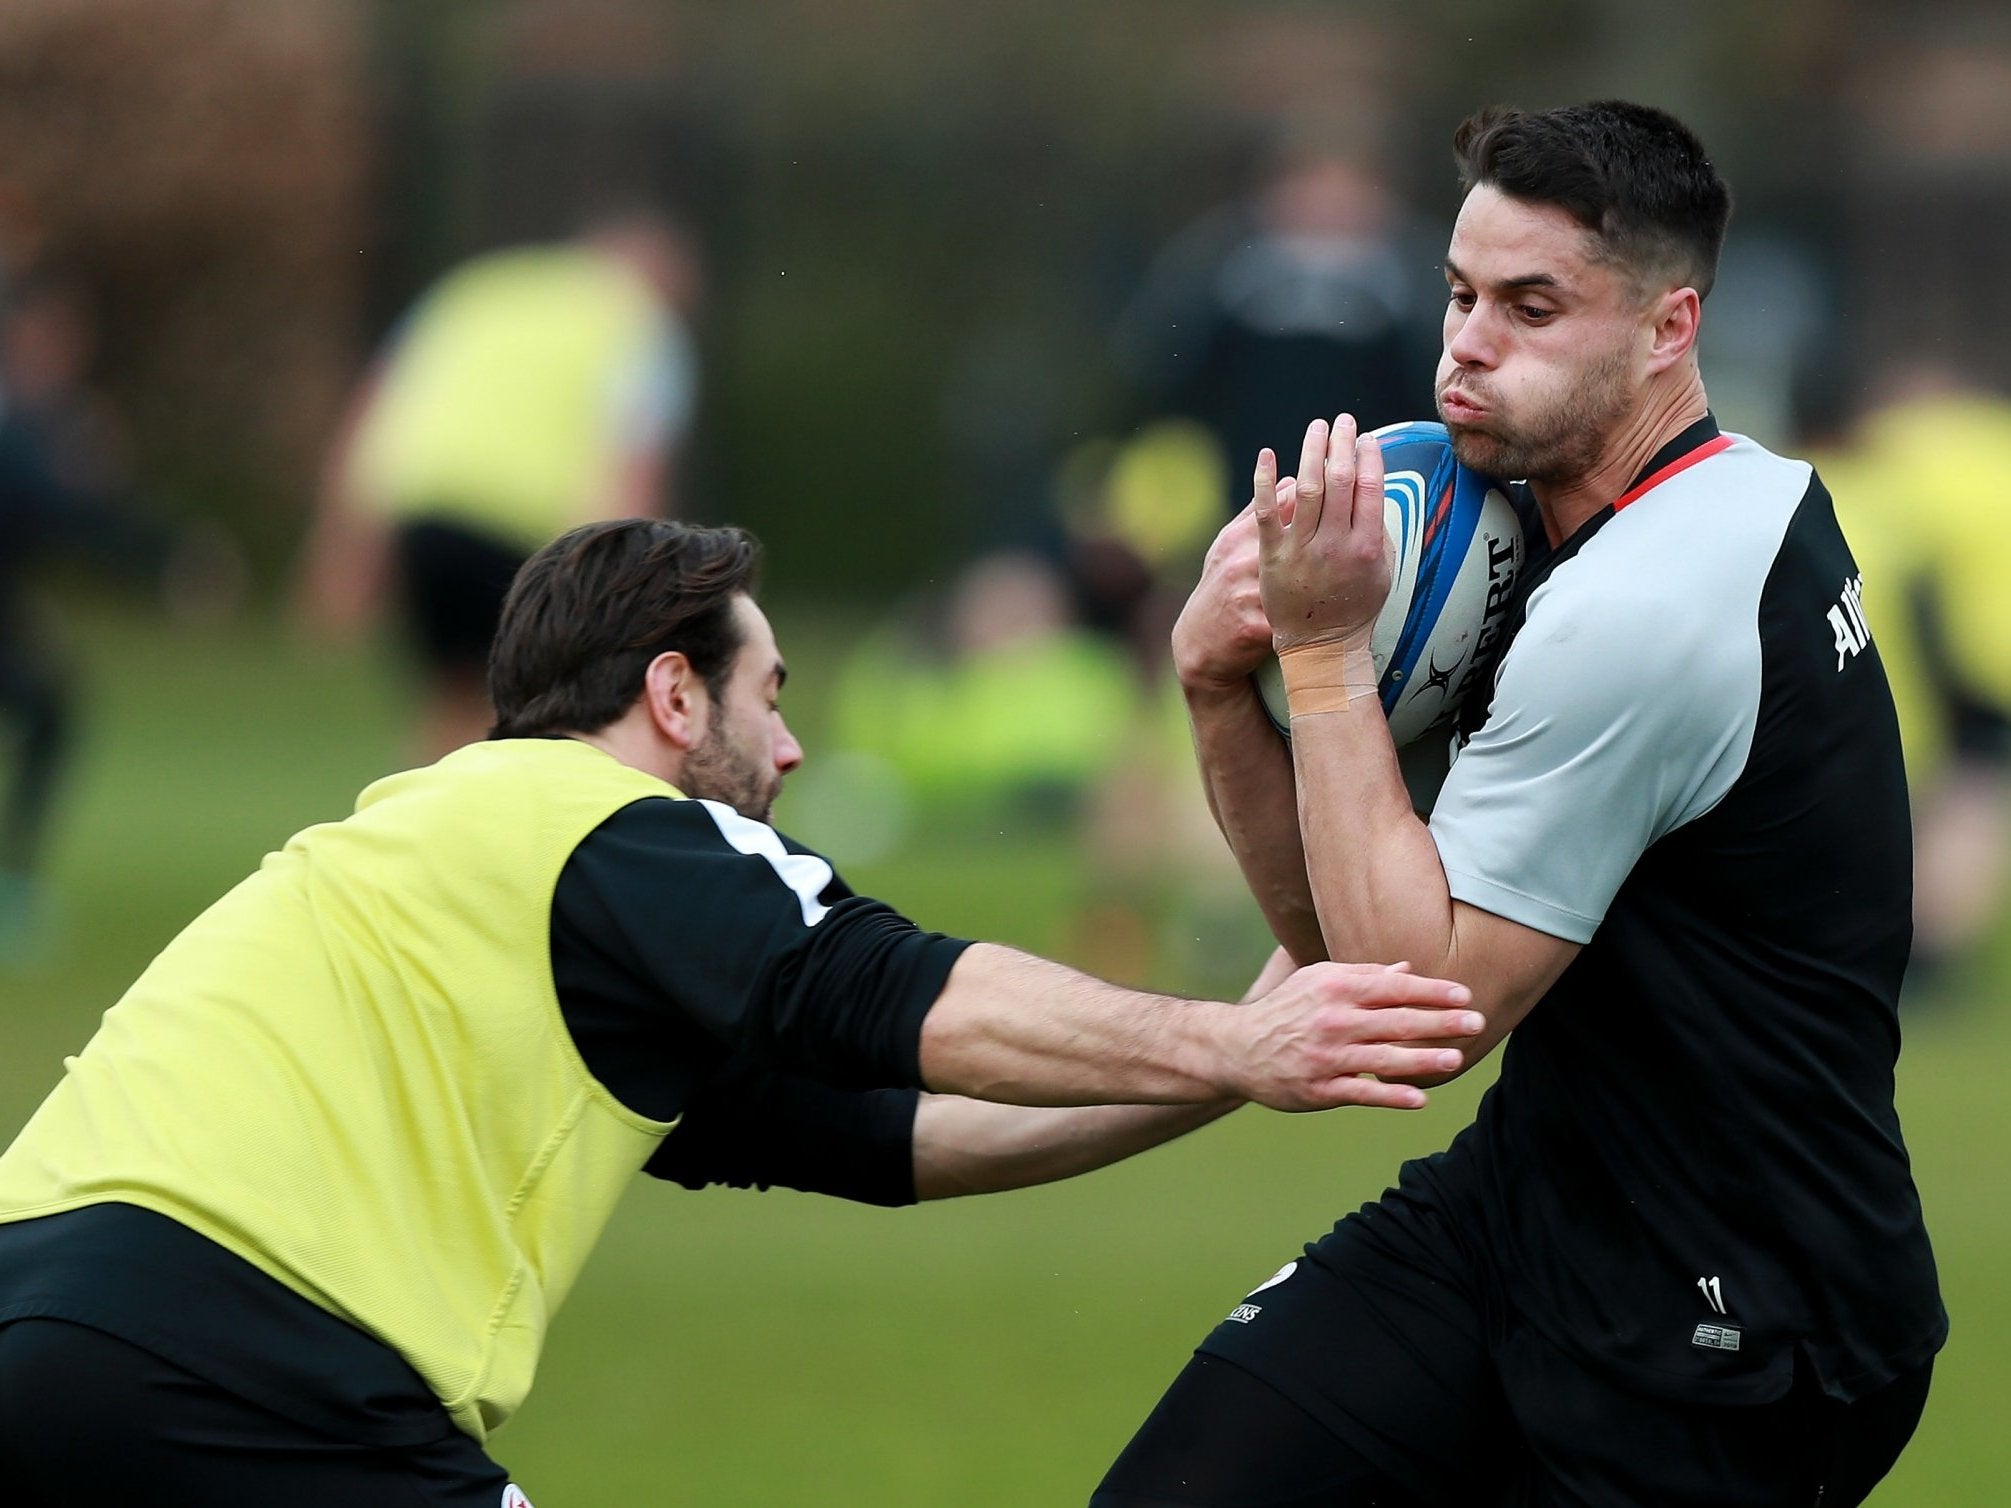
1619, 713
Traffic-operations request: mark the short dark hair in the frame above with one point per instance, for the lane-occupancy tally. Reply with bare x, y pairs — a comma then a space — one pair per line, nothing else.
1634, 176
589, 611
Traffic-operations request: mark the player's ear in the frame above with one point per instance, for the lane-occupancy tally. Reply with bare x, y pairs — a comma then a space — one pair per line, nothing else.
1676, 315
675, 697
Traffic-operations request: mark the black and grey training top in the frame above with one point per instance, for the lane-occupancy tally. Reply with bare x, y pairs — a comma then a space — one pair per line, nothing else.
1690, 1168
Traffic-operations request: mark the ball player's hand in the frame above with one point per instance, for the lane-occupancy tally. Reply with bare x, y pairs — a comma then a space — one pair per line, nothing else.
1323, 551
1308, 1043
1222, 635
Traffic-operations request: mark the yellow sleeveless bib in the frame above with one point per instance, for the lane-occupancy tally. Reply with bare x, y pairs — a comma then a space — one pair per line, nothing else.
352, 1072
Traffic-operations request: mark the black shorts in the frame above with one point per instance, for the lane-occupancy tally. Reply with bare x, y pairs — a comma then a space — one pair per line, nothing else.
88, 1420
1427, 1387
453, 581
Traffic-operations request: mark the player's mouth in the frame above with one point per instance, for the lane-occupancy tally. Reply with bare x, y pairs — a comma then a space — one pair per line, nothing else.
1456, 407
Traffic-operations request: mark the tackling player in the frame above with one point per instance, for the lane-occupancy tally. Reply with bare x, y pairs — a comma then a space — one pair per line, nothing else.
293, 1225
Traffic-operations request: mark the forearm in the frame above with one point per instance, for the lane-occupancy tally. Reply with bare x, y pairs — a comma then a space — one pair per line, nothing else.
1388, 898
1375, 875
1019, 1029
966, 1146
1246, 774
344, 568
344, 559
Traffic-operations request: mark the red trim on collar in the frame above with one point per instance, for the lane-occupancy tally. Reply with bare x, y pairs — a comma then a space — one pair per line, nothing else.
1682, 463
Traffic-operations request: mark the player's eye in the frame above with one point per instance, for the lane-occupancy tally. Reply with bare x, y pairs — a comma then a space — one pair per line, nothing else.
1536, 314
1462, 299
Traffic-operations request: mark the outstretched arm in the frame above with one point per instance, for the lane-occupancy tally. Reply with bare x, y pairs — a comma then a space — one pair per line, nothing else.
1012, 1027
966, 1146
764, 955
345, 560
753, 1126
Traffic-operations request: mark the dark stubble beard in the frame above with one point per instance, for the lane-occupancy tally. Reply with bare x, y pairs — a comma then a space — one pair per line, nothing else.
1560, 446
716, 770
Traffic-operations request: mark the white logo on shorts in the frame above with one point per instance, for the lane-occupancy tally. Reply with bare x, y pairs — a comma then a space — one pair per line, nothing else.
513, 1497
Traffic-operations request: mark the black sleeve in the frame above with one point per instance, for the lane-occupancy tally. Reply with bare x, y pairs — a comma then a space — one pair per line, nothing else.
684, 935
845, 1003
750, 1127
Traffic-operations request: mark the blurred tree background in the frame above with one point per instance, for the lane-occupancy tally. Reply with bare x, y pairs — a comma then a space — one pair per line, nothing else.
919, 218
921, 222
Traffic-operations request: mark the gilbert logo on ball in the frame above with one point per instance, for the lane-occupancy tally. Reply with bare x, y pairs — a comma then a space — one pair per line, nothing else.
513, 1497
1455, 547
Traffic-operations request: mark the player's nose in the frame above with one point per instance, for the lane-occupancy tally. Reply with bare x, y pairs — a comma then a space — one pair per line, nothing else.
1470, 340
788, 752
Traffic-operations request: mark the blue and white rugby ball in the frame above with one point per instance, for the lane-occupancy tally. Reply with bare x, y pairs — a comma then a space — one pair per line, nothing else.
1456, 545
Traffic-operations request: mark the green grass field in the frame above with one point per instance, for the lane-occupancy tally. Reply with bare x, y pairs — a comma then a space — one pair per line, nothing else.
737, 1348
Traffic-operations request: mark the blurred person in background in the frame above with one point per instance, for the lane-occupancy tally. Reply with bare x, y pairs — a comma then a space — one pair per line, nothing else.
988, 697
529, 390
65, 495
1915, 451
1317, 280
994, 705
293, 1224
1322, 281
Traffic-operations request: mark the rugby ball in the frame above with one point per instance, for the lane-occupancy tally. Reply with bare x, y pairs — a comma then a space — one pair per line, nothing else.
1456, 547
